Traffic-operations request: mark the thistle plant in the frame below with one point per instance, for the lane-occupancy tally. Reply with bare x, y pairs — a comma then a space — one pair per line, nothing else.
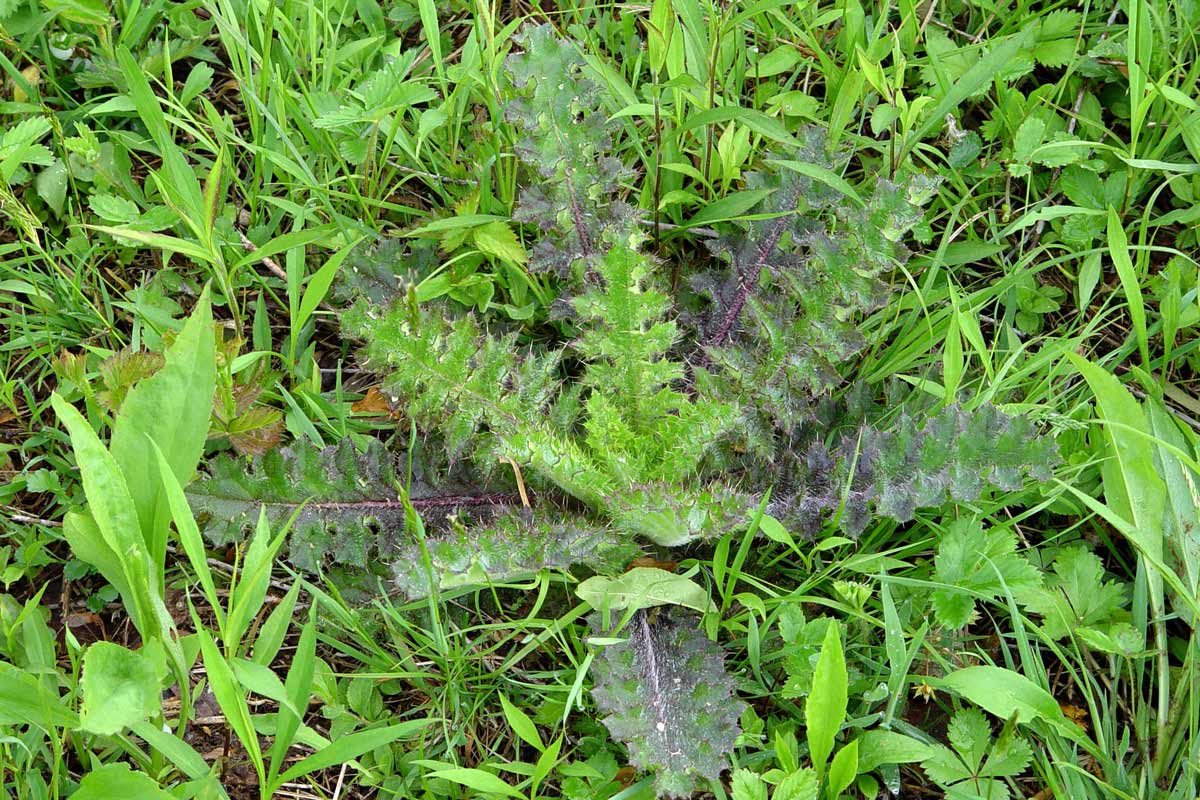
647, 419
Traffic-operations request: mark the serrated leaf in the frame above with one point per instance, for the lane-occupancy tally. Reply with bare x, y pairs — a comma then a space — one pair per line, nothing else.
498, 240
1029, 136
348, 503
664, 693
113, 208
974, 560
1082, 187
256, 430
746, 785
121, 371
511, 547
970, 735
945, 767
800, 785
1059, 24
565, 138
1076, 594
1008, 757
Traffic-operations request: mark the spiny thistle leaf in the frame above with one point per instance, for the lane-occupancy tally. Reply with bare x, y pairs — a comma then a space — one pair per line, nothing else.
384, 271
511, 547
567, 140
786, 315
671, 515
347, 504
451, 376
665, 694
953, 455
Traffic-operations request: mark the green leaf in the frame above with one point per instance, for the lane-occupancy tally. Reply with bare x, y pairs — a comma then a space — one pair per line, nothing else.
823, 175
825, 709
117, 524
318, 285
172, 408
118, 780
1007, 694
977, 561
498, 240
644, 587
1076, 595
51, 185
246, 596
298, 687
878, 747
1008, 757
982, 73
25, 700
800, 785
509, 547
347, 748
843, 770
521, 724
161, 241
963, 772
1132, 487
1118, 250
231, 698
274, 630
121, 687
113, 208
1179, 524
88, 545
747, 785
731, 206
177, 751
189, 533
476, 779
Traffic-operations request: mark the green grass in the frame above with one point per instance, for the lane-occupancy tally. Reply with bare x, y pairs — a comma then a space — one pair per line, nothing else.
149, 150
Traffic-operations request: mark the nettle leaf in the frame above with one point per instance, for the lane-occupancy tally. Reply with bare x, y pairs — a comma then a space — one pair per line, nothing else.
346, 504
665, 694
1076, 595
511, 547
120, 371
976, 561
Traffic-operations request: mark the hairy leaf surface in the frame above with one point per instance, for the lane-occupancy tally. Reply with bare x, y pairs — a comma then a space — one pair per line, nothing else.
665, 694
